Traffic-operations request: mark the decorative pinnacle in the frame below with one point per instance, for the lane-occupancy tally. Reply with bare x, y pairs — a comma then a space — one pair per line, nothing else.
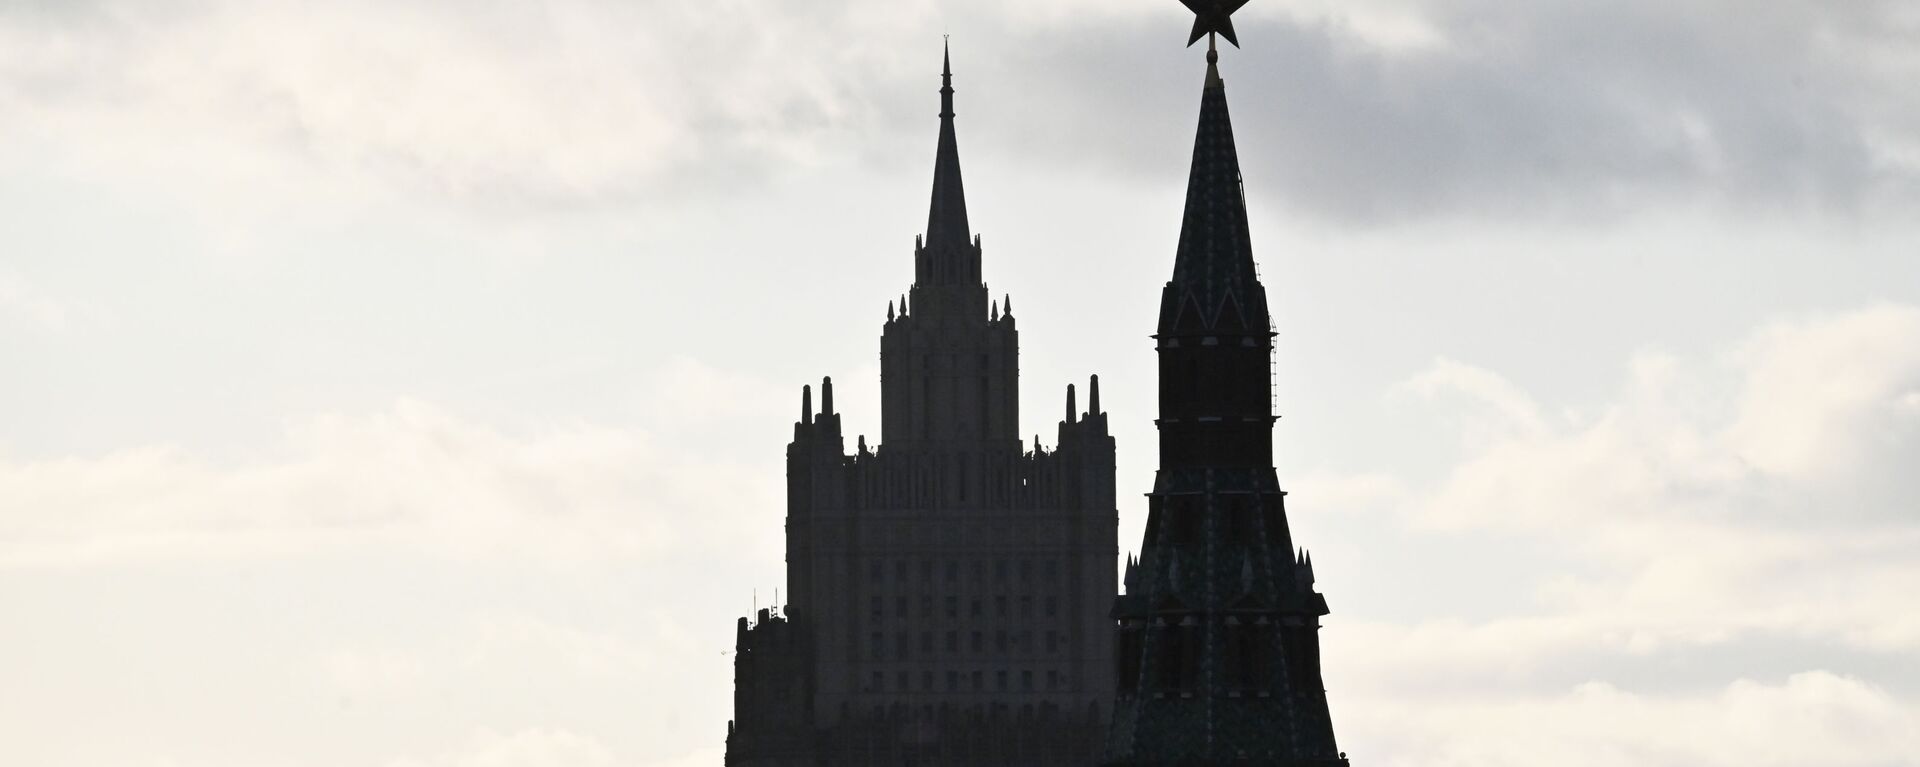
1213, 66
1213, 17
946, 79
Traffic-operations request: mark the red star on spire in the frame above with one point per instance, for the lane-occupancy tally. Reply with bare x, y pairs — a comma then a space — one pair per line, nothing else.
1213, 16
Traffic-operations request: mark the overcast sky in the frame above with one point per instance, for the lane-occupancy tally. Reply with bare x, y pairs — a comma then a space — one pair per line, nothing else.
406, 384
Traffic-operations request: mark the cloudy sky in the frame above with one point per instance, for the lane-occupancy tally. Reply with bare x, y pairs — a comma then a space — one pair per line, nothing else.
405, 384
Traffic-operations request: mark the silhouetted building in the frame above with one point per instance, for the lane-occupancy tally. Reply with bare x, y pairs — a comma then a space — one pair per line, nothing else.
948, 588
1219, 655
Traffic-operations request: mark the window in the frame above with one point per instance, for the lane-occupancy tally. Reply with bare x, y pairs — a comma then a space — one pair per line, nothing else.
1026, 679
900, 645
1248, 660
926, 571
1026, 607
926, 681
953, 681
1053, 639
900, 606
1000, 641
1053, 679
900, 570
1000, 606
1052, 571
978, 685
1000, 569
953, 641
902, 679
878, 603
953, 607
1129, 658
1000, 680
879, 681
878, 645
979, 642
983, 389
875, 570
1026, 571
953, 571
1053, 606
926, 606
926, 642
1240, 514
973, 610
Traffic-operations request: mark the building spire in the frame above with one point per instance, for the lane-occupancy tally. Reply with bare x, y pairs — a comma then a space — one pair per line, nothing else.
1214, 285
947, 216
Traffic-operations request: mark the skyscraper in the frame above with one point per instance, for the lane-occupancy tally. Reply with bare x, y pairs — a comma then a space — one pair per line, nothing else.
1219, 647
949, 587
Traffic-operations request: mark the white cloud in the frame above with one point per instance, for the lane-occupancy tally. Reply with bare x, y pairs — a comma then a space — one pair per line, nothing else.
1816, 428
534, 104
1722, 521
538, 747
23, 302
1811, 718
1829, 403
414, 476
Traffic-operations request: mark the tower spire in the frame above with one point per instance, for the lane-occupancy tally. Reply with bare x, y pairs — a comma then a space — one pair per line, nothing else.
1214, 285
947, 216
1220, 654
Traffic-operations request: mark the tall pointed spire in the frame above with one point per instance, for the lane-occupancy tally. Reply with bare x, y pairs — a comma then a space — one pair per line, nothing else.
1214, 285
947, 217
1219, 652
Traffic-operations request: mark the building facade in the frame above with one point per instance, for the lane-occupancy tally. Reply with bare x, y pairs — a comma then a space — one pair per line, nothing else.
1218, 629
949, 587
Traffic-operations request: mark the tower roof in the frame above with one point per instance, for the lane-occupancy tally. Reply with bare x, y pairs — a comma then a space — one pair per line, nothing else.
947, 216
1214, 285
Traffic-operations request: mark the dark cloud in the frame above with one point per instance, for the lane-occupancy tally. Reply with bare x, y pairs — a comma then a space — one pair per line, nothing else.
1575, 108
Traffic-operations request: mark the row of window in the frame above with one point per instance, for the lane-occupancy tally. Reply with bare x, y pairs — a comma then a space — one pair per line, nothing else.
956, 681
1182, 520
1173, 657
1003, 642
1002, 570
1003, 607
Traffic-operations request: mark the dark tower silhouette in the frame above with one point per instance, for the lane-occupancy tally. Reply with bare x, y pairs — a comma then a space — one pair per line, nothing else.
1219, 657
949, 587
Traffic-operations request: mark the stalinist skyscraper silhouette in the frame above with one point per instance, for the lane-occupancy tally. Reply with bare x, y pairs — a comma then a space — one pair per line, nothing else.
948, 587
1218, 629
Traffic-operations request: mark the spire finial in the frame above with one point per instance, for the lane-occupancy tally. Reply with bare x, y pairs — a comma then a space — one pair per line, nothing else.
1213, 65
947, 228
946, 79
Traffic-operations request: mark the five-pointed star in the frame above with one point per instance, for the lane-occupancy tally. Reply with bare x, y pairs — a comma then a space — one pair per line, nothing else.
1211, 16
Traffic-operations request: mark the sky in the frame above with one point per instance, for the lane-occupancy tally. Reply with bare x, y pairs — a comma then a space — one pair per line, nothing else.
406, 384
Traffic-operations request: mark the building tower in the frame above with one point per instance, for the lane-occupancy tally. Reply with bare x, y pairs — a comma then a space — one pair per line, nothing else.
1219, 658
949, 587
